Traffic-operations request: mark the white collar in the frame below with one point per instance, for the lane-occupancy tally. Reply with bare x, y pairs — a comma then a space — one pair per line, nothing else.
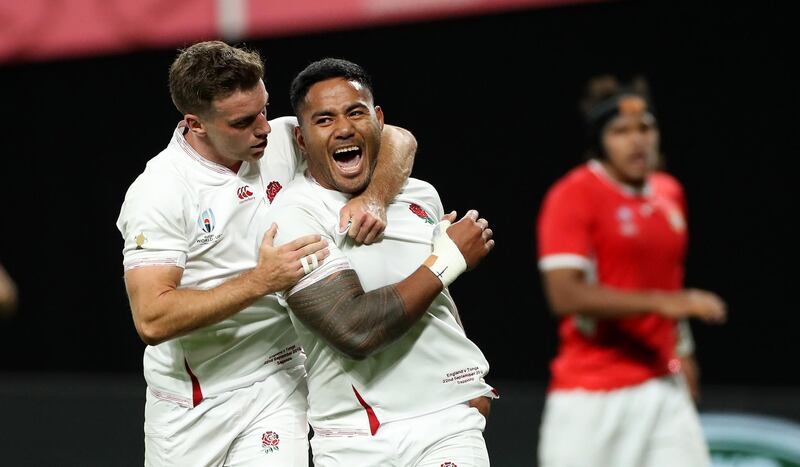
193, 154
628, 190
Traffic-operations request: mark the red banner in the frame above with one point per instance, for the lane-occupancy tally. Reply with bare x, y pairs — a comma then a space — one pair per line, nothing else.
46, 29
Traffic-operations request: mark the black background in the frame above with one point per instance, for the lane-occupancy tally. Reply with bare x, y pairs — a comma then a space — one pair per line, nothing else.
492, 101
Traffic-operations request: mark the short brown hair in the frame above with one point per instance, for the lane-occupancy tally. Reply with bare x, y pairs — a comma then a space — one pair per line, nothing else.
209, 70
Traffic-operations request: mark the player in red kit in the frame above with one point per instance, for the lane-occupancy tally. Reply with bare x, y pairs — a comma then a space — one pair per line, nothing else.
612, 239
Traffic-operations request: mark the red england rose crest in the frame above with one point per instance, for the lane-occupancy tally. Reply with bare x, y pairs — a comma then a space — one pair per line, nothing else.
449, 464
272, 189
270, 441
421, 213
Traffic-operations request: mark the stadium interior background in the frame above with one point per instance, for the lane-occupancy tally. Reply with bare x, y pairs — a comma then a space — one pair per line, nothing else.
492, 100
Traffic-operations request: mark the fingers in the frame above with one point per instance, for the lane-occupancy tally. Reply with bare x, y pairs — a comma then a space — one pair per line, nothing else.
366, 218
708, 306
487, 239
715, 307
311, 248
471, 214
366, 227
716, 314
269, 235
344, 217
311, 262
356, 224
451, 217
374, 233
370, 227
301, 242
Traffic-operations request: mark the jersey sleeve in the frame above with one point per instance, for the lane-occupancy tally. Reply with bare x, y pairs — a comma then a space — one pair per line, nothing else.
295, 221
153, 225
563, 229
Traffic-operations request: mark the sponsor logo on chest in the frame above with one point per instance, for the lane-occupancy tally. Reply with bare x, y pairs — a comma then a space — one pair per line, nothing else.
244, 193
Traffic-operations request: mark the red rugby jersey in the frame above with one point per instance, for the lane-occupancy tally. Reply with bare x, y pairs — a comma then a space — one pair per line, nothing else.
624, 239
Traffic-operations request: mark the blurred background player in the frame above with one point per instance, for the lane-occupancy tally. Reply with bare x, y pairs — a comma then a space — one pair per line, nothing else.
612, 240
8, 293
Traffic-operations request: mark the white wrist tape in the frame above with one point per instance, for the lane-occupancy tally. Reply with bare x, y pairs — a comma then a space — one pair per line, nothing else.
449, 262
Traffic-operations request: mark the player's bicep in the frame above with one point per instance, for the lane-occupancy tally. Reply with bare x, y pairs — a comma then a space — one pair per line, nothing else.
351, 321
330, 309
563, 278
315, 302
146, 284
561, 286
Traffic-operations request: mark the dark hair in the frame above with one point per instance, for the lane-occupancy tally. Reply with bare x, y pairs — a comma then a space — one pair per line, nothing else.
603, 87
599, 105
322, 70
210, 70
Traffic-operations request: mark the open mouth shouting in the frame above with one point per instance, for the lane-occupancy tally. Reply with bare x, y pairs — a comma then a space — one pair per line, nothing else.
348, 159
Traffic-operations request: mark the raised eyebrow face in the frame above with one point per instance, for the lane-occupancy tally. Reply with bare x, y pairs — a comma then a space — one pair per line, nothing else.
329, 112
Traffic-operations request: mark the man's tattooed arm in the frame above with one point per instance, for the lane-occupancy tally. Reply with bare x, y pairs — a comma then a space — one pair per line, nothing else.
358, 323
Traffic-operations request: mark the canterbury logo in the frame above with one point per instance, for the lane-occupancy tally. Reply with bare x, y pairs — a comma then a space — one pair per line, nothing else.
244, 192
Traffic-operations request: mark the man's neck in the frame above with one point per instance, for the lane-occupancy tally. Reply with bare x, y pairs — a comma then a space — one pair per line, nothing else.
208, 153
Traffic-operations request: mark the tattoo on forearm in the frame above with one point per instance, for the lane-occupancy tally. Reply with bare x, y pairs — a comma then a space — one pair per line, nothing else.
352, 321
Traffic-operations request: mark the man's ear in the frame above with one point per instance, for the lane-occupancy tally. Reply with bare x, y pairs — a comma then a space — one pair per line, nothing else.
379, 115
298, 137
194, 124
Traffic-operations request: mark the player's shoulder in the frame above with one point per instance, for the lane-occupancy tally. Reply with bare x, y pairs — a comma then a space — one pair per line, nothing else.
282, 131
298, 192
283, 123
163, 183
419, 188
282, 159
300, 208
664, 181
304, 198
421, 192
163, 174
665, 186
578, 182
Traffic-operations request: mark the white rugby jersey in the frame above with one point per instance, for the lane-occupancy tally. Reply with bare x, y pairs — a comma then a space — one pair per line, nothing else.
433, 366
186, 211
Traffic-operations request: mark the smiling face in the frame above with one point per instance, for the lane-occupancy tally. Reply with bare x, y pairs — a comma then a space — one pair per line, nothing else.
340, 134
